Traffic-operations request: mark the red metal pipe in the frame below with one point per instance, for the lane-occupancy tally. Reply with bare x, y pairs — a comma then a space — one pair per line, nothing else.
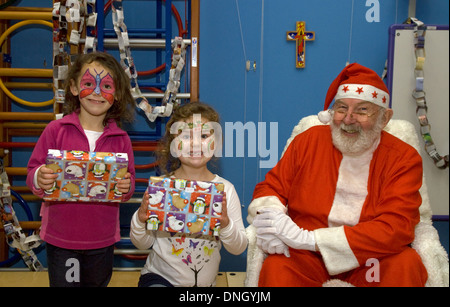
145, 166
142, 180
181, 31
17, 144
155, 89
152, 71
134, 257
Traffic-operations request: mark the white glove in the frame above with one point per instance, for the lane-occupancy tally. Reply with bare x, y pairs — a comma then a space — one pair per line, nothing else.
275, 222
270, 244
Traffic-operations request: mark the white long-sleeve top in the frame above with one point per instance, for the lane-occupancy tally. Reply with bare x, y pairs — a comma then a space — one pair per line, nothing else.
191, 260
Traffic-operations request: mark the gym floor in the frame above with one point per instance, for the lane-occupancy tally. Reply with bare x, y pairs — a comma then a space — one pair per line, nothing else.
119, 279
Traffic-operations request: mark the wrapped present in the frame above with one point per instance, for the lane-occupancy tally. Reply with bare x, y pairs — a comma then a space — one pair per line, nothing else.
187, 206
86, 176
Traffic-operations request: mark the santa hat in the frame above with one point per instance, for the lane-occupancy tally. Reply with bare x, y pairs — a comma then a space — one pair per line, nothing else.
356, 81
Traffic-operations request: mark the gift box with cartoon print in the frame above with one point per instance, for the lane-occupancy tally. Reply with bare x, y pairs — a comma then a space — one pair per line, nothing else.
186, 206
86, 176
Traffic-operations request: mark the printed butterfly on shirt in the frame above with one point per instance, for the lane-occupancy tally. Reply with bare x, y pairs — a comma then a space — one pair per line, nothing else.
193, 244
181, 240
103, 86
176, 251
187, 260
208, 251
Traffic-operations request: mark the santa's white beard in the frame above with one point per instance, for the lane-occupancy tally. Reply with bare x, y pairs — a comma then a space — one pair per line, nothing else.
354, 145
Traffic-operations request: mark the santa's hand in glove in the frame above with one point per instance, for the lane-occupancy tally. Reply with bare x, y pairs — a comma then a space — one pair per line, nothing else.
271, 221
270, 244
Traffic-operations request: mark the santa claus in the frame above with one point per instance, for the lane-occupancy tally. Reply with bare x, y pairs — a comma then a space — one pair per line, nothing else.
344, 197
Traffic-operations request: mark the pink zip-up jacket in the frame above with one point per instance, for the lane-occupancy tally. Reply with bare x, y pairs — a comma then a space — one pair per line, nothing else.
83, 225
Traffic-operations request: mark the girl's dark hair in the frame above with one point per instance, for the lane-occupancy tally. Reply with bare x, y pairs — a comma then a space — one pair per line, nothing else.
123, 106
166, 162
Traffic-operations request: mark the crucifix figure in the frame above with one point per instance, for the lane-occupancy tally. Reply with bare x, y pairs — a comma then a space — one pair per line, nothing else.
300, 36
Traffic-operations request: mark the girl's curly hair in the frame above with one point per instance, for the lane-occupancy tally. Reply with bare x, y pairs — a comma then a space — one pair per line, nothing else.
123, 106
166, 162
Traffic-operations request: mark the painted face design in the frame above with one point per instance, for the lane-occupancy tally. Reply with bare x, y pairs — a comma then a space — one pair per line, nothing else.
197, 141
100, 85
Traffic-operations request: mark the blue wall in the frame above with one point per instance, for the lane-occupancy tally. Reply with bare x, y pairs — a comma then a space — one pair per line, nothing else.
234, 31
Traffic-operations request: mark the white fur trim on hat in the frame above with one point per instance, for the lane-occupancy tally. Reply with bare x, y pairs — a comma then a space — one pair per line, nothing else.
324, 116
365, 92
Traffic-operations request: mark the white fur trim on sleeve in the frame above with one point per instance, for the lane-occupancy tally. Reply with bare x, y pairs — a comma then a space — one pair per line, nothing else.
264, 202
335, 250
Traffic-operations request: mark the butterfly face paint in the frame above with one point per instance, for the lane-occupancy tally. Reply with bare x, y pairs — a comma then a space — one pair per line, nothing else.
103, 86
193, 142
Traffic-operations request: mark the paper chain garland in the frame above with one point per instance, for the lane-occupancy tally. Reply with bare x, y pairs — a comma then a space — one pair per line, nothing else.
15, 237
419, 95
126, 60
73, 12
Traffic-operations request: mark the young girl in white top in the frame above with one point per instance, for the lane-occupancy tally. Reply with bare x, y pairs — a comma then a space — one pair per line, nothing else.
180, 259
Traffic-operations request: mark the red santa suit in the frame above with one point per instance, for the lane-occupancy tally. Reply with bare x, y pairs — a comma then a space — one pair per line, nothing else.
361, 209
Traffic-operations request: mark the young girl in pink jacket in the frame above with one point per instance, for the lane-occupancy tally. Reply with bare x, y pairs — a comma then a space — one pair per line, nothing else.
80, 236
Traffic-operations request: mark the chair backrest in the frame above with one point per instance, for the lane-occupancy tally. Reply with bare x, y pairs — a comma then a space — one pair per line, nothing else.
402, 129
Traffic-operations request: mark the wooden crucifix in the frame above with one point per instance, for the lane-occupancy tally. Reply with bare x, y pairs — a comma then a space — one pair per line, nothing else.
300, 36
